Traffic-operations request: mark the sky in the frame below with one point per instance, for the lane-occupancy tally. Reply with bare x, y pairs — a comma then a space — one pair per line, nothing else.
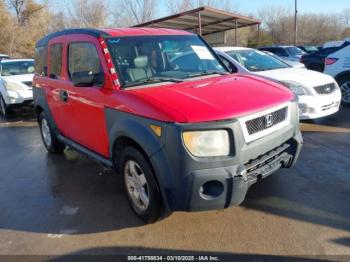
249, 7
304, 6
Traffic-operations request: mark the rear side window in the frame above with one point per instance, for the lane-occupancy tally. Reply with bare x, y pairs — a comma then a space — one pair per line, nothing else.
83, 57
280, 52
55, 60
41, 60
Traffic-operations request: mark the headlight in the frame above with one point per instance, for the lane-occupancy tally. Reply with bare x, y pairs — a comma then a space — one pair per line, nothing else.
295, 87
12, 95
207, 143
13, 86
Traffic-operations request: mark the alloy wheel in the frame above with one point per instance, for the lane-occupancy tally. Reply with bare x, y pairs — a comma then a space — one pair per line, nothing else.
136, 184
345, 91
46, 132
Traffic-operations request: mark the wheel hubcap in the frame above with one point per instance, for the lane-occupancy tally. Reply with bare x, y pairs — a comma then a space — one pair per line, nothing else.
45, 130
345, 91
136, 184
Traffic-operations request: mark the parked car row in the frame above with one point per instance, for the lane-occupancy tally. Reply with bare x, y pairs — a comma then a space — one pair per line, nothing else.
318, 94
188, 127
333, 58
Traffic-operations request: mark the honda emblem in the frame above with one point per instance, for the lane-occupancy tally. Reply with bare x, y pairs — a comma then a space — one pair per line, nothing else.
268, 121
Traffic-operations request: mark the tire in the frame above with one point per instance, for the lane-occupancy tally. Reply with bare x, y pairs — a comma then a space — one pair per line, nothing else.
51, 142
344, 84
140, 185
5, 111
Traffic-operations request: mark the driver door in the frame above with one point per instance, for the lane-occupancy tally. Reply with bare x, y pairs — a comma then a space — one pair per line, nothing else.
88, 127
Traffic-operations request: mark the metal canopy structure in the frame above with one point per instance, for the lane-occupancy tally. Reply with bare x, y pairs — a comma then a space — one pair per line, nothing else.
204, 21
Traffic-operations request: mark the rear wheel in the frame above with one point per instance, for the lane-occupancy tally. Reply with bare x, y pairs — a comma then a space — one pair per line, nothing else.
51, 142
344, 84
140, 185
3, 107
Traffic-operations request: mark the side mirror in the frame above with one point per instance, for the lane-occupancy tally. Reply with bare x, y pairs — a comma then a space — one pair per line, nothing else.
87, 78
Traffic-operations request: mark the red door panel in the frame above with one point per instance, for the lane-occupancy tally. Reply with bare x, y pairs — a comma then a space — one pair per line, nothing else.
85, 116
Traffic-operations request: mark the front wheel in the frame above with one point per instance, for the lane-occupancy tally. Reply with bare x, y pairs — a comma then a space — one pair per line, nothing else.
344, 85
51, 142
140, 185
3, 107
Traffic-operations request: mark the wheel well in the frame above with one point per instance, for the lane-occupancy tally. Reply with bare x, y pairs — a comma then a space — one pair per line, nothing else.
118, 146
342, 74
38, 110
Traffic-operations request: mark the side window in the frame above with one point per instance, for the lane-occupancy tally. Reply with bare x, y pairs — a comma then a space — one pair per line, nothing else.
280, 52
55, 60
83, 59
41, 60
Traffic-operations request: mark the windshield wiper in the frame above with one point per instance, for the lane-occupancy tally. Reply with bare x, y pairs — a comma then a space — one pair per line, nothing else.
155, 79
205, 73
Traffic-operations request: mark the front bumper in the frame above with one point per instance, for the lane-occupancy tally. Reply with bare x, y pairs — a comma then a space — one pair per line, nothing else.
18, 99
193, 184
311, 107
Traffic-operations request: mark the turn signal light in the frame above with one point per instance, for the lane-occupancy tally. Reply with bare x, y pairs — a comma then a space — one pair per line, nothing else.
156, 129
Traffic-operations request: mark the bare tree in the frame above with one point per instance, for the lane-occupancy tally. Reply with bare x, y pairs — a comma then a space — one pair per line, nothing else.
346, 17
134, 12
176, 6
312, 28
86, 13
18, 6
25, 9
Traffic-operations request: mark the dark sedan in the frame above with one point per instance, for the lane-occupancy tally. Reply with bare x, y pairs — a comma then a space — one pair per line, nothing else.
315, 61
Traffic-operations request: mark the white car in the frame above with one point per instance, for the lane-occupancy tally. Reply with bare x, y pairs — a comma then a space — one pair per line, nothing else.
3, 56
337, 65
318, 94
16, 76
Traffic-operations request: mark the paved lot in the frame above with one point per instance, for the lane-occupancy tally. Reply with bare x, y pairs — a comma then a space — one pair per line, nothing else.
61, 204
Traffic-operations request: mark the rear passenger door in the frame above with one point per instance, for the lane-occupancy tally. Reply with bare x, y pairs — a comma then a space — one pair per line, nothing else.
87, 118
55, 83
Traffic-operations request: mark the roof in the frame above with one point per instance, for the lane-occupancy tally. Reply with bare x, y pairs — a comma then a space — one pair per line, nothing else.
105, 32
16, 60
143, 31
231, 48
277, 46
88, 31
212, 21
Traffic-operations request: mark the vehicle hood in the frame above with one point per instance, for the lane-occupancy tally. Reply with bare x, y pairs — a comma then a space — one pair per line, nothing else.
292, 58
208, 99
19, 78
295, 64
307, 78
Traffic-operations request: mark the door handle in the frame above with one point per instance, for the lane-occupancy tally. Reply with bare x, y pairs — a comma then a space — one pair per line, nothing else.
63, 95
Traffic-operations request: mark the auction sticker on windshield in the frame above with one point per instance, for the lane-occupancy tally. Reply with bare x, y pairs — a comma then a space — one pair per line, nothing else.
202, 52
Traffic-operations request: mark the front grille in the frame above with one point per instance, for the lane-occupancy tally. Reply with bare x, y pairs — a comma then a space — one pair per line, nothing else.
28, 83
266, 121
325, 89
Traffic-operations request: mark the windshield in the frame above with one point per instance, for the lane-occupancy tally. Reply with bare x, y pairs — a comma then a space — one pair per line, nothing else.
294, 51
255, 60
17, 68
147, 59
311, 48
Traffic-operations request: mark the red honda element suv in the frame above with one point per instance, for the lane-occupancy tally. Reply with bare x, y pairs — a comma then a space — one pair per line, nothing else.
159, 107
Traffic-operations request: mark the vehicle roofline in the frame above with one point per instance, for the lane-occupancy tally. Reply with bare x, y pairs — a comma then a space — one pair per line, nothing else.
87, 31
